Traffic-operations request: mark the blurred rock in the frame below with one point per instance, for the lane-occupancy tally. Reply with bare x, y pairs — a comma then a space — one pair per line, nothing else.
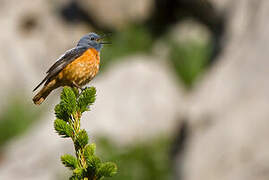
222, 6
136, 100
228, 112
184, 32
190, 30
116, 13
36, 155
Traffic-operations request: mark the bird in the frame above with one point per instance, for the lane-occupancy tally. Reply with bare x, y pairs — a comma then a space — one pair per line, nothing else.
75, 68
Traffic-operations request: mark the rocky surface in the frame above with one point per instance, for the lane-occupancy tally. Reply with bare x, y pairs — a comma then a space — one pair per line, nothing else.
117, 13
130, 107
228, 112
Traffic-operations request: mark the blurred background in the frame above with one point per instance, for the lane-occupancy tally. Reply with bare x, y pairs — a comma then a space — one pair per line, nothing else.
182, 92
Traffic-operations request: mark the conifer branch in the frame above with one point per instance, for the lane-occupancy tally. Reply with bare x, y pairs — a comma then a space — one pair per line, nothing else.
86, 165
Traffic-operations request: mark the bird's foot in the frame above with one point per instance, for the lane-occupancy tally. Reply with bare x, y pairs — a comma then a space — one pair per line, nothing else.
77, 86
82, 89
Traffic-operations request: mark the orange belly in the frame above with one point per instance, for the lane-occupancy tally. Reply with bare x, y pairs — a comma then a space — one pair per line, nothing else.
82, 70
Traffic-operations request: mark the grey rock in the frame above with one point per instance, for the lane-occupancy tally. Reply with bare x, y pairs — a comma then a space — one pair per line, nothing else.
136, 100
228, 112
117, 13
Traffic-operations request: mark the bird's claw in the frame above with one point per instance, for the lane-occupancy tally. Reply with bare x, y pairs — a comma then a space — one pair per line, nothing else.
82, 89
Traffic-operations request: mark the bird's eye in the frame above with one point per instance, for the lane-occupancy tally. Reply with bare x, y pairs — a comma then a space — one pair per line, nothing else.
92, 38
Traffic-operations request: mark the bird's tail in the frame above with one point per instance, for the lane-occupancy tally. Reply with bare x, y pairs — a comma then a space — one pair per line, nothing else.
44, 92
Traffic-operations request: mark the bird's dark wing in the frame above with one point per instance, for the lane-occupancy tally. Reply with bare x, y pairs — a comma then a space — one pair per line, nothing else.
68, 57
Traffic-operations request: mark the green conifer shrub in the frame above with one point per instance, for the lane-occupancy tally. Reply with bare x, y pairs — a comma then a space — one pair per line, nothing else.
85, 164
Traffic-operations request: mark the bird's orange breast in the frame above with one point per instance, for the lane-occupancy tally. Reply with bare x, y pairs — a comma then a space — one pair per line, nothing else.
81, 70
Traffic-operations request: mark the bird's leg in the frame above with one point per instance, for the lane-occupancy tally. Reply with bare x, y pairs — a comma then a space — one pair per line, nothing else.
77, 86
84, 88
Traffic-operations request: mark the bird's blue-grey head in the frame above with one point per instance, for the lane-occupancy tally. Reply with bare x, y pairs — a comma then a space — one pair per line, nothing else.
92, 40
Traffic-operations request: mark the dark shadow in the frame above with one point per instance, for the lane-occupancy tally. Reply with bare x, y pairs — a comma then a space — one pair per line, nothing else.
74, 13
169, 12
178, 148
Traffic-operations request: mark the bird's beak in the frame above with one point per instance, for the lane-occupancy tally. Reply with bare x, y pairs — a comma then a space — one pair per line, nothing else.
102, 37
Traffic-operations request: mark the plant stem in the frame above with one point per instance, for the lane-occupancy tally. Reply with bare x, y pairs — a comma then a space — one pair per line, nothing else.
76, 127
